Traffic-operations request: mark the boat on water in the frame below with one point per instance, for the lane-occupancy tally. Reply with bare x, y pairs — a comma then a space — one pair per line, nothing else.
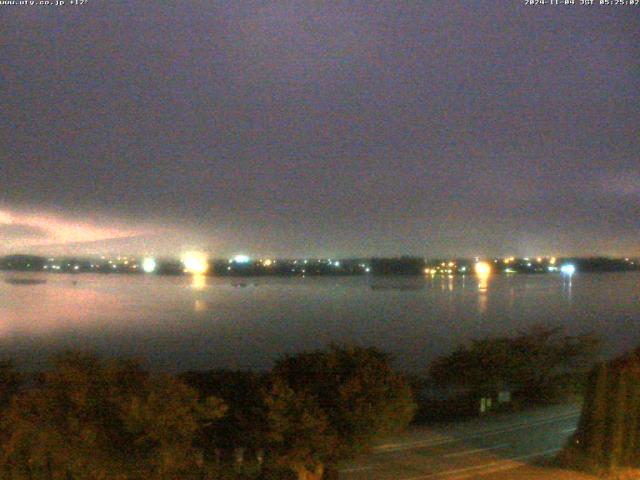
25, 281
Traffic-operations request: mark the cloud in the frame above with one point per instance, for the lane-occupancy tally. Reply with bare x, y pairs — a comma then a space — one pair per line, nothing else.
17, 231
27, 231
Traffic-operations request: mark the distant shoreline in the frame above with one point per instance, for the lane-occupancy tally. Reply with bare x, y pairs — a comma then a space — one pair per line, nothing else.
243, 266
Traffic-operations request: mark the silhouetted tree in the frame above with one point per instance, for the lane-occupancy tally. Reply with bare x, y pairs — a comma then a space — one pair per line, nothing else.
529, 363
608, 433
89, 419
360, 395
10, 381
298, 436
244, 425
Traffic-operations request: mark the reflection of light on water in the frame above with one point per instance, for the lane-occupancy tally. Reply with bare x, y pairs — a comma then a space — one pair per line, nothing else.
568, 270
198, 282
56, 306
483, 283
483, 300
483, 272
567, 285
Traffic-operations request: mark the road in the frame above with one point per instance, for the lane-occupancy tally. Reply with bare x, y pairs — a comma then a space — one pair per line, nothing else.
502, 446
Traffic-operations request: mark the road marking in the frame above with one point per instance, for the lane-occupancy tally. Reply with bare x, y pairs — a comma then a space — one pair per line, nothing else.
429, 443
568, 430
506, 464
476, 450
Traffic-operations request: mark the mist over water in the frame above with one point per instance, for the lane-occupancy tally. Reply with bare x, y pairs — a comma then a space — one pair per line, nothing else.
179, 323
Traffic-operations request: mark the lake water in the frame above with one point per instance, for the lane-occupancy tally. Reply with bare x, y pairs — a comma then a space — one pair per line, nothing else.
178, 323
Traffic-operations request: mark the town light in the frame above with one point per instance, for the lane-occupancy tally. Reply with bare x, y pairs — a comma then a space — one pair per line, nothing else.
195, 263
241, 259
483, 268
149, 265
568, 269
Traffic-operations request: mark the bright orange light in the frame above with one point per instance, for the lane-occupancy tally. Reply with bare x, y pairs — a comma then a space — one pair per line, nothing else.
198, 281
483, 271
267, 263
483, 268
553, 261
195, 263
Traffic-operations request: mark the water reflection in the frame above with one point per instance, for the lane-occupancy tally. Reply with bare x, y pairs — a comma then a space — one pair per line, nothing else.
567, 283
198, 282
200, 306
206, 322
483, 282
397, 283
483, 272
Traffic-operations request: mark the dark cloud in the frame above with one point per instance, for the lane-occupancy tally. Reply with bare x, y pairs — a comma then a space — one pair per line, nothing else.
314, 128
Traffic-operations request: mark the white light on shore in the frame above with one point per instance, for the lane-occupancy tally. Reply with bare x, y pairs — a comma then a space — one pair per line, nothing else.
149, 265
241, 259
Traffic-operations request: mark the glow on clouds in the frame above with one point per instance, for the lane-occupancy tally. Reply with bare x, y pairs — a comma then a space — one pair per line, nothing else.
22, 230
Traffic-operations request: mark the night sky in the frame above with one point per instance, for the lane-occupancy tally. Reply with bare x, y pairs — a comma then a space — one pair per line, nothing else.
320, 128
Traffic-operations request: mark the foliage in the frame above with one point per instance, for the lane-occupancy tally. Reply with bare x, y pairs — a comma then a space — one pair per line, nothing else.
244, 424
10, 382
85, 418
89, 419
608, 434
528, 363
298, 436
360, 395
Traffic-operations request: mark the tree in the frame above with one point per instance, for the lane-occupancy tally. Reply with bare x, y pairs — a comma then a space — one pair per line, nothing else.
10, 382
360, 395
529, 363
244, 424
89, 419
298, 436
608, 432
